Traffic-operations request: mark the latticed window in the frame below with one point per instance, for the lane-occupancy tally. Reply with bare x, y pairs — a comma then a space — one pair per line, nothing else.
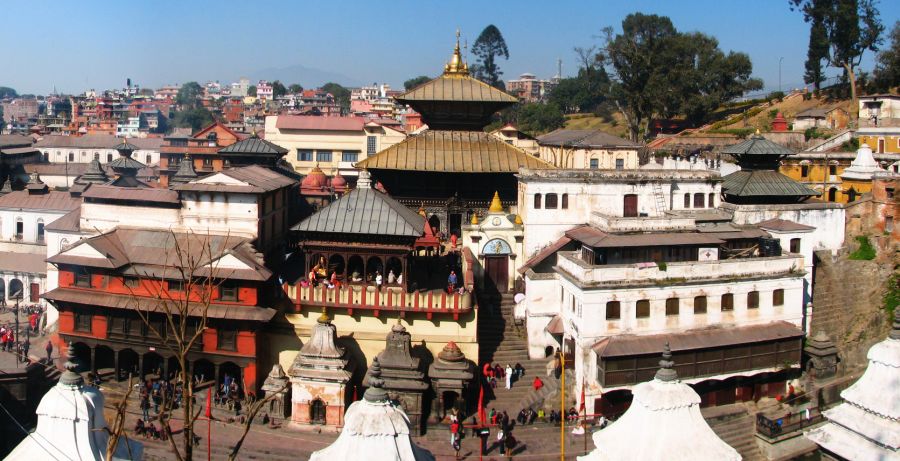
227, 339
371, 146
551, 201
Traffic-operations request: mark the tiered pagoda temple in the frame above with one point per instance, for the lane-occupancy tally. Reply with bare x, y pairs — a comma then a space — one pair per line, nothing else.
457, 165
403, 380
759, 181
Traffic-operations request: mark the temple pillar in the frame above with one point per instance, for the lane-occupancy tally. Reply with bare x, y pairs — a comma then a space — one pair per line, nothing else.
94, 360
118, 375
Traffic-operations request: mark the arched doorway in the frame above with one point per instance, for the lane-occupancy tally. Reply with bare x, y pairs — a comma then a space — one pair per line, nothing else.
2, 292
373, 265
153, 364
832, 194
82, 353
356, 268
235, 375
851, 197
16, 289
204, 371
393, 265
105, 358
336, 264
128, 364
496, 264
317, 411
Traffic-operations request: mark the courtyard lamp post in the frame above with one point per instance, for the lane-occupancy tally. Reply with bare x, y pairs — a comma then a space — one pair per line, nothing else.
18, 298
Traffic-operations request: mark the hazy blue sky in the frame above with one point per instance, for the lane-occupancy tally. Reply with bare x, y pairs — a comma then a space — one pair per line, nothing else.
97, 44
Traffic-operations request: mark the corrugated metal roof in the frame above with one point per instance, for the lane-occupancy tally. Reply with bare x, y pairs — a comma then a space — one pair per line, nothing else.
365, 211
459, 88
629, 345
453, 152
254, 145
52, 200
757, 145
544, 254
96, 141
142, 194
599, 239
15, 140
584, 138
258, 178
312, 122
126, 162
19, 150
70, 222
114, 301
760, 183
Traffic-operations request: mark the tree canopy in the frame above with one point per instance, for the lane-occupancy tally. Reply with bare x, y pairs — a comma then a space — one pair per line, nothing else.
195, 118
278, 89
295, 88
341, 94
538, 118
7, 92
251, 91
488, 47
188, 94
657, 71
414, 82
887, 67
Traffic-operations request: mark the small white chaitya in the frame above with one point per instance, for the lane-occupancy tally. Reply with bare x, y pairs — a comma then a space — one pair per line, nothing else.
663, 423
71, 425
374, 430
867, 425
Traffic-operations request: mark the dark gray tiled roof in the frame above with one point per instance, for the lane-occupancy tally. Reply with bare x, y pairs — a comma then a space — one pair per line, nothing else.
757, 183
254, 145
757, 145
365, 211
584, 138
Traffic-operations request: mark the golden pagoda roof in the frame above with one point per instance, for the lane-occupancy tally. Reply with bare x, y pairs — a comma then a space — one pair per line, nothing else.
451, 151
496, 206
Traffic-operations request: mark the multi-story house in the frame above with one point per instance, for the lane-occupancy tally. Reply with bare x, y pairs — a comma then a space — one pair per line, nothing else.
879, 122
264, 91
19, 110
131, 127
84, 149
332, 143
202, 148
588, 149
24, 216
529, 88
646, 258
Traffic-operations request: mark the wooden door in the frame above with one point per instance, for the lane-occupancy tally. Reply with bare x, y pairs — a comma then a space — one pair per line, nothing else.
496, 272
631, 206
881, 146
35, 292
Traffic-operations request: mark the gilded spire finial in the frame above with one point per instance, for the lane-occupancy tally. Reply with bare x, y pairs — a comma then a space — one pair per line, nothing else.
496, 206
474, 219
324, 318
456, 66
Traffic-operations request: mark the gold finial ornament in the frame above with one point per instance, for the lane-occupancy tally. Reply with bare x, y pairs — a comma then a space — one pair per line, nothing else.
496, 207
456, 66
324, 318
422, 209
474, 219
519, 220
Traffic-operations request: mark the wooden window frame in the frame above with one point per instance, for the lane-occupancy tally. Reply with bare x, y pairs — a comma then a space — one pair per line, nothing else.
729, 305
700, 307
613, 310
638, 308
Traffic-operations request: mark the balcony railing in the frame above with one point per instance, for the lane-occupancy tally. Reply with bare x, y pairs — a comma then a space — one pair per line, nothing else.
571, 263
389, 298
788, 424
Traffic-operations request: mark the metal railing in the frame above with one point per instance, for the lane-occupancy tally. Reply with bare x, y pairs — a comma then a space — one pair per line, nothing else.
789, 423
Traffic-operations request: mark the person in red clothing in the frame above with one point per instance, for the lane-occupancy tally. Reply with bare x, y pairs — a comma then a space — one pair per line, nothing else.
33, 320
537, 383
453, 239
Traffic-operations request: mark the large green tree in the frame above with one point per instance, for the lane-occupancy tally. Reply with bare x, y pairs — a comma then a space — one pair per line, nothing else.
488, 47
7, 92
414, 82
887, 67
341, 94
295, 88
251, 90
538, 118
194, 118
189, 94
657, 71
278, 89
817, 52
852, 27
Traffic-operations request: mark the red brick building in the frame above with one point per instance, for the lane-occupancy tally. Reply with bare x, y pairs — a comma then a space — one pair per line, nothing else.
202, 147
107, 283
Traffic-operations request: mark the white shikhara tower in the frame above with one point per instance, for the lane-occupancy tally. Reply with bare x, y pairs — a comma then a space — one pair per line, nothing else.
374, 429
663, 423
867, 425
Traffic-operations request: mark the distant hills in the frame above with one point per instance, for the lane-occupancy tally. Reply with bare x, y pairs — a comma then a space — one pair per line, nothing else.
308, 77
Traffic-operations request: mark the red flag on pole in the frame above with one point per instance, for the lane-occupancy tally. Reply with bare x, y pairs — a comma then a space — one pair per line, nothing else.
208, 403
481, 414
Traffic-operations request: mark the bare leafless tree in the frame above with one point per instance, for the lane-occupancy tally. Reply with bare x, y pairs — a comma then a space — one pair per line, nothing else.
253, 408
116, 430
190, 263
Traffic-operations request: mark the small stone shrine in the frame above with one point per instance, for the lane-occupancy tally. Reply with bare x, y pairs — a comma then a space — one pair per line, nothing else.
278, 384
319, 377
822, 356
403, 380
450, 376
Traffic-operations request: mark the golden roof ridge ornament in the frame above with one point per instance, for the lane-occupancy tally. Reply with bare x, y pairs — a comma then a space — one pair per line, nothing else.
456, 66
496, 206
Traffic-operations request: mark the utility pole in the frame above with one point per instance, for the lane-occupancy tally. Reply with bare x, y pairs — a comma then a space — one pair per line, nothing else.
779, 73
18, 297
562, 402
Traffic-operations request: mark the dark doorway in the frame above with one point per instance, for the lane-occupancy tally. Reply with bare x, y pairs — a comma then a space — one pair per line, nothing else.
456, 224
496, 272
317, 412
631, 206
832, 194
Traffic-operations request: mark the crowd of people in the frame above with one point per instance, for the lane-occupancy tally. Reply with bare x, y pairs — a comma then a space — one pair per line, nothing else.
494, 372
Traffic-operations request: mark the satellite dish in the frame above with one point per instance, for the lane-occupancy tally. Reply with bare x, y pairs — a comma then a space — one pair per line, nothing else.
519, 297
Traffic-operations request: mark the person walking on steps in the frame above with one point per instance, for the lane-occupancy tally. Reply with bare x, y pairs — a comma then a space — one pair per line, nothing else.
508, 376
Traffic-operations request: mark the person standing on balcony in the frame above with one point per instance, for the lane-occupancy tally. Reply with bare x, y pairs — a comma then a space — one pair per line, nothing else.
451, 282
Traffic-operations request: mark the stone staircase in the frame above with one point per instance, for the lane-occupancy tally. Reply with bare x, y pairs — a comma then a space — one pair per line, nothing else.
735, 425
502, 342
